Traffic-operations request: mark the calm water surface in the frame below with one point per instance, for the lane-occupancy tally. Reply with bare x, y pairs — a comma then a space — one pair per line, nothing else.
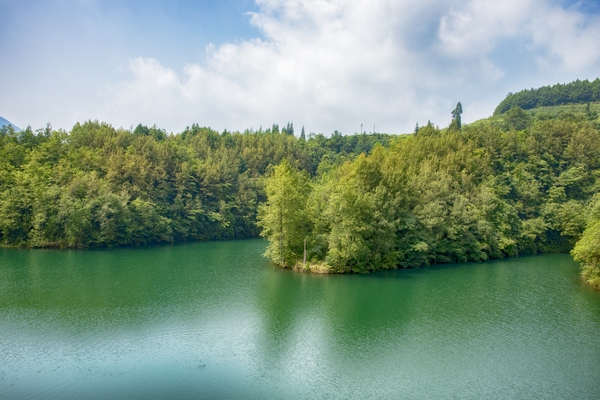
215, 320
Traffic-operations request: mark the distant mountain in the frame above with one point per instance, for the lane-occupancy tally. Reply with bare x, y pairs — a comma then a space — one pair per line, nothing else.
4, 122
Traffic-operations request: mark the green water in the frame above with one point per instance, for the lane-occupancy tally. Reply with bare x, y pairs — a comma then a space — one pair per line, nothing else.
215, 320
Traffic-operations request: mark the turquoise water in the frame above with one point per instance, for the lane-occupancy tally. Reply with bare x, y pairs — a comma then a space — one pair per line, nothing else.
215, 320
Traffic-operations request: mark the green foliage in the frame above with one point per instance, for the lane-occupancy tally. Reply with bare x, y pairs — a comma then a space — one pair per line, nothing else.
587, 249
360, 231
522, 182
452, 196
283, 217
516, 118
570, 93
456, 123
100, 186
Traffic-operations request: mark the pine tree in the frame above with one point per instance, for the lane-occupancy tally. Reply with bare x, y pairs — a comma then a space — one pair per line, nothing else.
456, 122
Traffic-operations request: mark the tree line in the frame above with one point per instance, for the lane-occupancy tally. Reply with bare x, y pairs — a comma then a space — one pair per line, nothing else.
355, 203
97, 186
571, 93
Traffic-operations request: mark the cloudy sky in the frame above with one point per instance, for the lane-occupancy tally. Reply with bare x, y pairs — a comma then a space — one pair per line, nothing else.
325, 64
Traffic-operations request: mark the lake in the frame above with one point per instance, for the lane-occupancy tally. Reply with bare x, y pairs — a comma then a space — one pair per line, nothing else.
216, 320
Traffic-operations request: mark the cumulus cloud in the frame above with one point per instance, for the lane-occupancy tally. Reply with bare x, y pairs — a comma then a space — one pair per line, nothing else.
474, 30
338, 64
570, 36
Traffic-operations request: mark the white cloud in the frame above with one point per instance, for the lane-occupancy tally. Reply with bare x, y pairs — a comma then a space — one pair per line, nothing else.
474, 30
339, 63
570, 36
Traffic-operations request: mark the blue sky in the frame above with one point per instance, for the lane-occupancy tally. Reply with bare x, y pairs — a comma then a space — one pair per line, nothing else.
327, 65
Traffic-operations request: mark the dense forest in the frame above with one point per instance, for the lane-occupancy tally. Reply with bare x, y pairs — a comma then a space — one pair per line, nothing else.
469, 193
100, 186
559, 94
355, 203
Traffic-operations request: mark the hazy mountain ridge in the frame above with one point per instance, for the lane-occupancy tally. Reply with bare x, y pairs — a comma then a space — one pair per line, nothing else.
4, 122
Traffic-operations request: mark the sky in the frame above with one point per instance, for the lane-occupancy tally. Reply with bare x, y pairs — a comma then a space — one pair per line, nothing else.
326, 65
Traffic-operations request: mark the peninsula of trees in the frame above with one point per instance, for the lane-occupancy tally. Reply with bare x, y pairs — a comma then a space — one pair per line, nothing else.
519, 182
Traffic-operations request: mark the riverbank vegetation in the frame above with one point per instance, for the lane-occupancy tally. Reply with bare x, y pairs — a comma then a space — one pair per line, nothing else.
442, 196
522, 181
97, 186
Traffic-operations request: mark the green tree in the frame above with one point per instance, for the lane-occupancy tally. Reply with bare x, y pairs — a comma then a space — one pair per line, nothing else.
587, 249
592, 115
517, 119
283, 216
360, 216
456, 119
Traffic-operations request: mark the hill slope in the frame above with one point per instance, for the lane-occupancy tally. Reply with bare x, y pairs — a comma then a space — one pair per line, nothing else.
576, 92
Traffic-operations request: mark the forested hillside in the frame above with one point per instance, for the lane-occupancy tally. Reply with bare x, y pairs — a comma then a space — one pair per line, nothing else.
522, 182
101, 186
576, 92
454, 195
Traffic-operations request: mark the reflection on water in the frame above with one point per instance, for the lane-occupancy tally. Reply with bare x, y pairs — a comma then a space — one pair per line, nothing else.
215, 320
